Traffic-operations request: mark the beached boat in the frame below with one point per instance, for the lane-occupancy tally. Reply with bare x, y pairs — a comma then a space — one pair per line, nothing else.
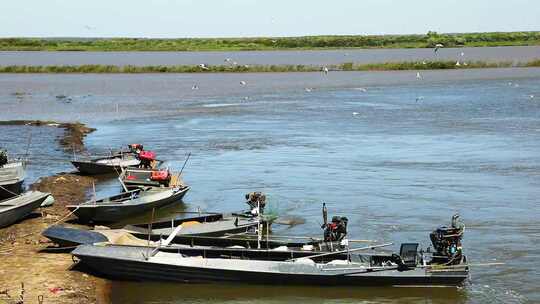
126, 204
18, 207
134, 178
374, 269
106, 165
446, 266
12, 175
202, 229
114, 163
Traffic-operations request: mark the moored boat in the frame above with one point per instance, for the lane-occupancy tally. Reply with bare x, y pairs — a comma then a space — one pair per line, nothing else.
343, 268
126, 204
134, 178
18, 207
116, 162
12, 175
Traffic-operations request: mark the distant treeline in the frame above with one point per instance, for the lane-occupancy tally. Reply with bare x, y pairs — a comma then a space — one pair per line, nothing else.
349, 66
271, 43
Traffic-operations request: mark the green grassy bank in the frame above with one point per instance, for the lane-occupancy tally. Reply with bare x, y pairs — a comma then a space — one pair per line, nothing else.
393, 66
271, 43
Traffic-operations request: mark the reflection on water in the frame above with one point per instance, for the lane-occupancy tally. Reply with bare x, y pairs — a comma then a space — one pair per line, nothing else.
397, 166
131, 292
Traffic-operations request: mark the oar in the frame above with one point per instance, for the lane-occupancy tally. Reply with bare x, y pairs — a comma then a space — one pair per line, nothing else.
342, 251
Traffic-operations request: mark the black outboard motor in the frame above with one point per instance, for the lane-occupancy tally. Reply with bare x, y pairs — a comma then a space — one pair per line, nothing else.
135, 148
256, 200
447, 241
3, 158
336, 230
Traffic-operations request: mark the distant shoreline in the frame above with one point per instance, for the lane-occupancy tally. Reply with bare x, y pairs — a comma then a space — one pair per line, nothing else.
347, 66
429, 40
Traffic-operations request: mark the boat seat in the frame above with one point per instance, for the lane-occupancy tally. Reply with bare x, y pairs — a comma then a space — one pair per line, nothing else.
409, 254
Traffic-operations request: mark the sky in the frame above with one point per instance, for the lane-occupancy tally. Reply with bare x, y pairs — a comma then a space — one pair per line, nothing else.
249, 18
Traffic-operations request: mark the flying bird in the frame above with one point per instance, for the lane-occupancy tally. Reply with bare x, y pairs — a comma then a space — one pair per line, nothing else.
203, 66
438, 46
243, 83
418, 75
195, 87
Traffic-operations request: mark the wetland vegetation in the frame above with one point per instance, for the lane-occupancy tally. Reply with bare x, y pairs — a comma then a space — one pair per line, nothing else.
348, 66
272, 43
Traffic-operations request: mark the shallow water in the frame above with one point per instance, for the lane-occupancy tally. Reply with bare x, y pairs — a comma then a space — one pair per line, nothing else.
395, 154
326, 57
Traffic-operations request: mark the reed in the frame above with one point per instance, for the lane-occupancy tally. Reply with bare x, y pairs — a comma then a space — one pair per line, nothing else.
348, 66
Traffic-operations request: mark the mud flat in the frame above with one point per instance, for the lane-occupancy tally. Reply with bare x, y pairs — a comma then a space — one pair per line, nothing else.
33, 270
73, 137
45, 273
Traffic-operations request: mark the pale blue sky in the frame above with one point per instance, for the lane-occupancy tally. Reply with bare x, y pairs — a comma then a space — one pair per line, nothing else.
235, 18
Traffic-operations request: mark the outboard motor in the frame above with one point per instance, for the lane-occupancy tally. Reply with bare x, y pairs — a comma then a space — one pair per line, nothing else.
163, 177
146, 158
447, 240
136, 148
256, 202
336, 230
3, 157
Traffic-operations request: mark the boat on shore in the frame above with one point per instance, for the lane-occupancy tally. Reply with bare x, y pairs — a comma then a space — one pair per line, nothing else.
16, 208
446, 266
12, 175
117, 207
117, 161
134, 178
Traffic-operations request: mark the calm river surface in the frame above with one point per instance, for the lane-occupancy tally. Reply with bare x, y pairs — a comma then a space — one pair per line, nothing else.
397, 155
361, 56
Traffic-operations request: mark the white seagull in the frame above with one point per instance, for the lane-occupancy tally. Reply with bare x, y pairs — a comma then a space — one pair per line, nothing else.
438, 46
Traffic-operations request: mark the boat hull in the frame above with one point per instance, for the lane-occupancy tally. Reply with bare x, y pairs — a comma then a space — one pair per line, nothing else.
11, 179
20, 209
115, 213
92, 168
131, 265
11, 190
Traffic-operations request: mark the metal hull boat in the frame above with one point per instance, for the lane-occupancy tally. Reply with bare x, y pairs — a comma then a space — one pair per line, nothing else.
18, 207
200, 230
135, 263
107, 165
124, 205
134, 178
11, 179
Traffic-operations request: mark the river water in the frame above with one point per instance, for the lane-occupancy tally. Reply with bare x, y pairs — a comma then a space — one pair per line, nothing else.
321, 57
397, 155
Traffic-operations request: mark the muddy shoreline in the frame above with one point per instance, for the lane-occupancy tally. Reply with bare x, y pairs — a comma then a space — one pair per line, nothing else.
32, 267
74, 132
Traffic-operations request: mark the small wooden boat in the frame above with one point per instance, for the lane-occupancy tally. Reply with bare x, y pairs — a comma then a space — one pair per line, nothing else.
12, 177
18, 207
126, 204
